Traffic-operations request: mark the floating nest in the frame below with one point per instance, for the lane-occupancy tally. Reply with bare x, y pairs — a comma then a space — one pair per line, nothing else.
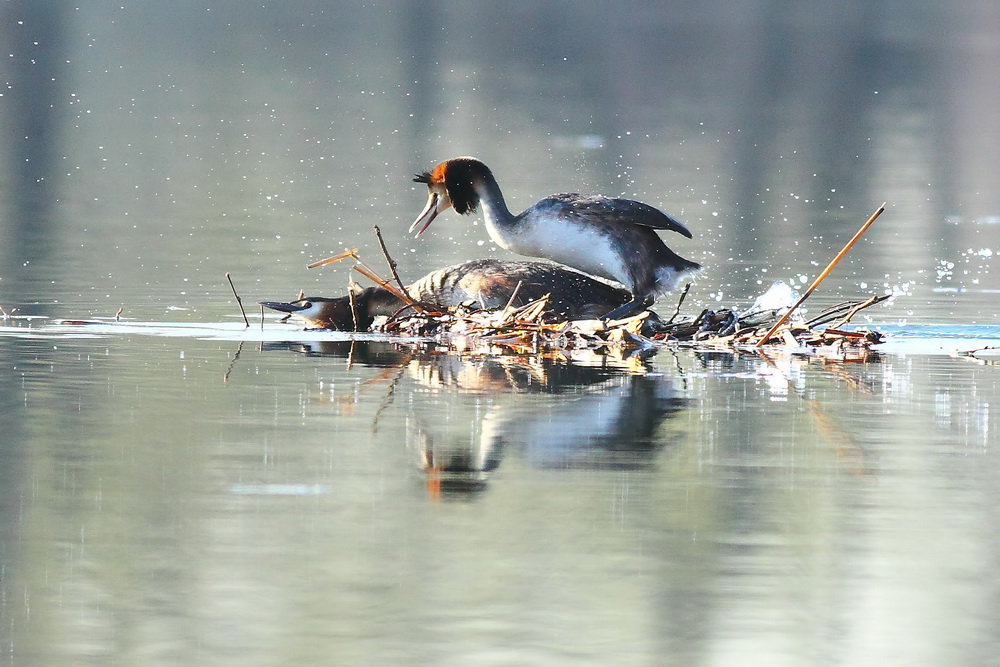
524, 330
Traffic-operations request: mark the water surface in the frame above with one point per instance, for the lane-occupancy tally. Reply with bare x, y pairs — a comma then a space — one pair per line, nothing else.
176, 488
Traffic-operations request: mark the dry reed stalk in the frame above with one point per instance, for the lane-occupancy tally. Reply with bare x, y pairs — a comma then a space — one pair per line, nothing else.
336, 258
354, 307
677, 310
858, 307
823, 275
534, 310
392, 264
363, 269
382, 282
370, 273
513, 295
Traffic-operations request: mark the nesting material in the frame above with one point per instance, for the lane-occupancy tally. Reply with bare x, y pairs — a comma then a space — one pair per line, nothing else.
525, 330
769, 324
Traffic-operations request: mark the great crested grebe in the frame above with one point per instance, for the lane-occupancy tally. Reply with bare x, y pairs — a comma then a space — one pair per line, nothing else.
610, 238
488, 282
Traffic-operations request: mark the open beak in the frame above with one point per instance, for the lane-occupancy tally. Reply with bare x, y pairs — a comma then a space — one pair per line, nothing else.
427, 216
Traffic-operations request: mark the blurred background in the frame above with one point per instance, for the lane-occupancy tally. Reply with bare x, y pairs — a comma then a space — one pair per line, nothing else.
151, 147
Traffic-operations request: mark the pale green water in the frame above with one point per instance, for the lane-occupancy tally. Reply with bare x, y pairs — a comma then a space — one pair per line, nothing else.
177, 490
166, 501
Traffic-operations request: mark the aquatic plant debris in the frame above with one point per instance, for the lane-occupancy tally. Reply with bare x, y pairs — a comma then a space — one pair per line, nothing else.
526, 330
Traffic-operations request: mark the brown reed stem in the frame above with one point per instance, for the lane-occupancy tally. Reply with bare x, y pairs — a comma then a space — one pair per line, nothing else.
510, 301
369, 273
335, 258
364, 270
822, 276
392, 263
354, 307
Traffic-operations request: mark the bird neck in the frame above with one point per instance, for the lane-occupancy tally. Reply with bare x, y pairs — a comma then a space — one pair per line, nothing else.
495, 209
376, 301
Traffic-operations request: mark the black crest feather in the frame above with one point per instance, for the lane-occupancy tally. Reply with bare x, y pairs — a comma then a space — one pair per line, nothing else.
422, 177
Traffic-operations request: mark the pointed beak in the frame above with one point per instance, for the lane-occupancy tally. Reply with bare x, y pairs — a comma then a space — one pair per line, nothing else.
679, 227
426, 216
283, 307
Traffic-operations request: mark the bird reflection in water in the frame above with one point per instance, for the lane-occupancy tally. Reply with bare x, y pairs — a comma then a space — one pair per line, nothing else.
590, 412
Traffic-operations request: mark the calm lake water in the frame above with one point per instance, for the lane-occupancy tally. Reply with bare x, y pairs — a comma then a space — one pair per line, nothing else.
178, 489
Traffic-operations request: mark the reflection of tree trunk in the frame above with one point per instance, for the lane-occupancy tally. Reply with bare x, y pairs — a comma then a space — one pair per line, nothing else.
29, 115
33, 35
973, 98
422, 46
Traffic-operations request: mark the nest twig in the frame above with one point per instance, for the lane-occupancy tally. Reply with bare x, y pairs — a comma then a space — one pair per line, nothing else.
829, 267
527, 330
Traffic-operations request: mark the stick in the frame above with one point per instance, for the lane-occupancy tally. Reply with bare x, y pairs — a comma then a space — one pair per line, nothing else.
533, 311
381, 282
831, 313
822, 276
238, 299
677, 310
392, 263
118, 315
354, 307
335, 258
369, 273
858, 307
510, 301
392, 318
851, 308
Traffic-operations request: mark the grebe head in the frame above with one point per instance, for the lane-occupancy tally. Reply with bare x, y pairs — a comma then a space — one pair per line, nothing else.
452, 184
325, 313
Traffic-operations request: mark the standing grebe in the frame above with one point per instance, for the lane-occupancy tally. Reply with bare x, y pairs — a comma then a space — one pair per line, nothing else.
488, 282
610, 238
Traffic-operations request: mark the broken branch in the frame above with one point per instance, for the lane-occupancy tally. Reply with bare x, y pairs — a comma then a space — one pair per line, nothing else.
392, 263
239, 301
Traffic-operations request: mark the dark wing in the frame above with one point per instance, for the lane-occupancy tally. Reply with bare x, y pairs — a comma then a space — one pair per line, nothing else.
601, 209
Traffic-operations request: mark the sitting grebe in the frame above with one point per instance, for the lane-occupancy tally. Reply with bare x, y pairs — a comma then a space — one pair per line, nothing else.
487, 282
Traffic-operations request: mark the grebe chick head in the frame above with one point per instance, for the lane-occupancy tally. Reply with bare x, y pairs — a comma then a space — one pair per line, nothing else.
454, 183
